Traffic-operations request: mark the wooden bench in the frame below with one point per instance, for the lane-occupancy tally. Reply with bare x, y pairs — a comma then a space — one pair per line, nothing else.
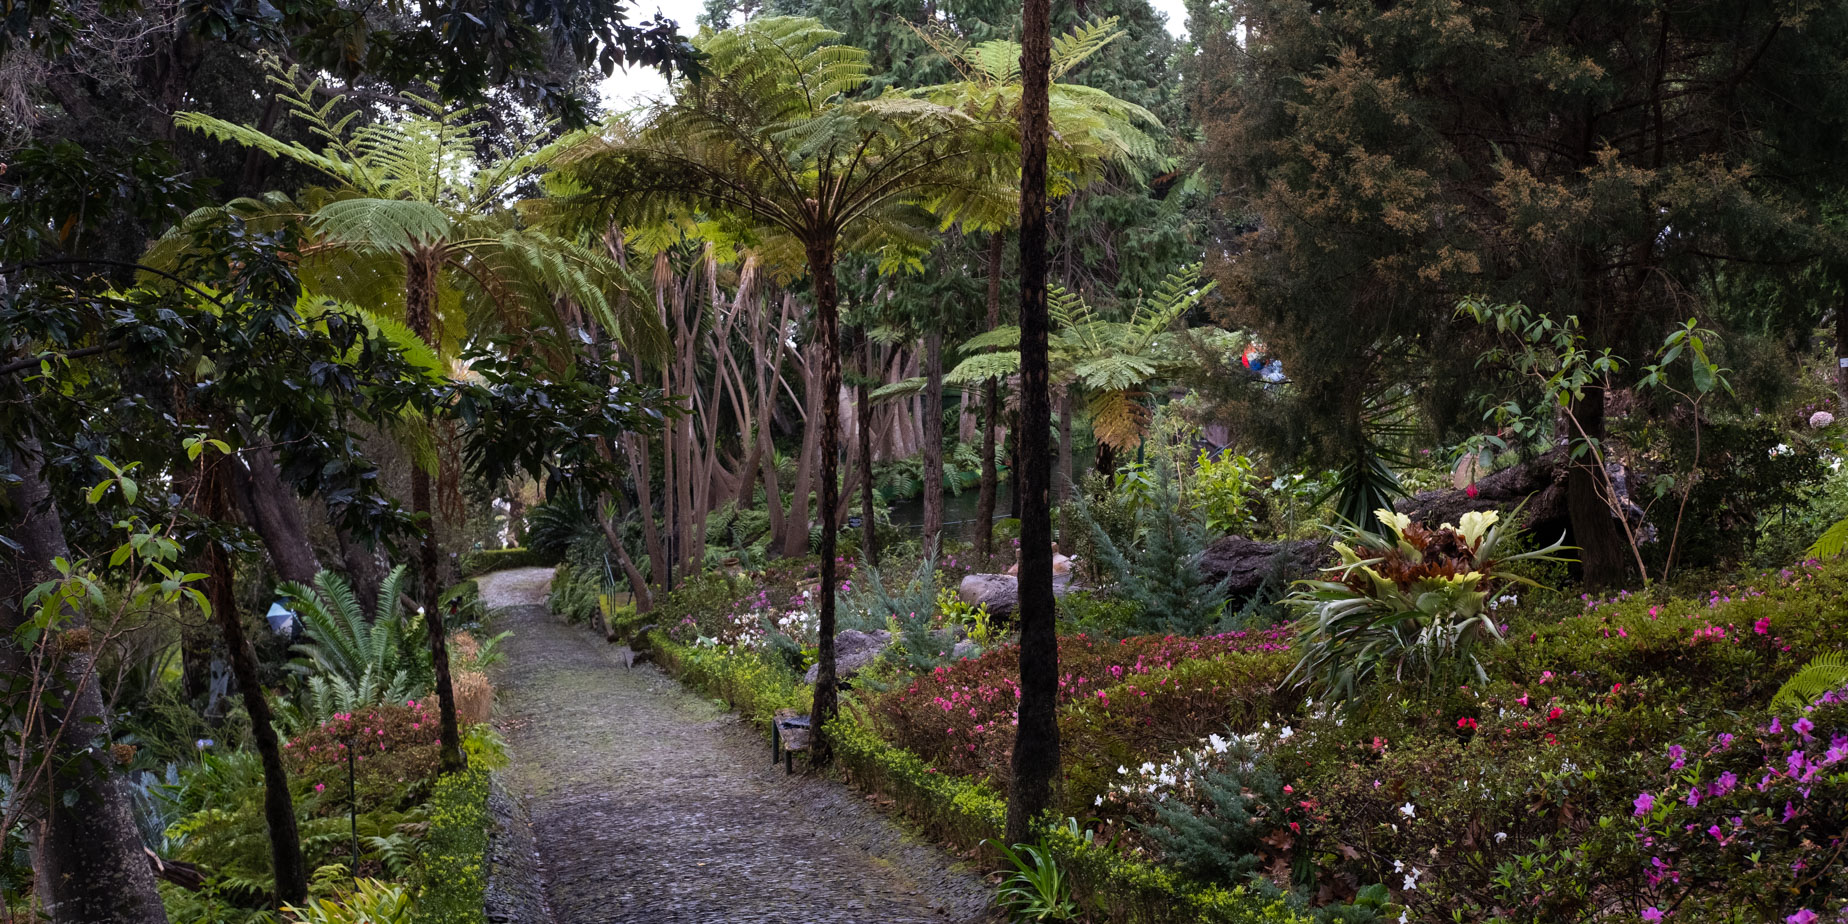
789, 733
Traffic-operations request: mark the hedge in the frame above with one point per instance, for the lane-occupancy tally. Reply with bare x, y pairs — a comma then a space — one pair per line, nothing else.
481, 561
455, 877
1113, 886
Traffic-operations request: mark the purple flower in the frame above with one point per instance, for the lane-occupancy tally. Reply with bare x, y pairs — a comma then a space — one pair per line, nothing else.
1803, 916
1776, 727
1804, 726
1724, 784
1652, 914
1726, 739
1644, 803
1794, 762
1693, 796
1678, 755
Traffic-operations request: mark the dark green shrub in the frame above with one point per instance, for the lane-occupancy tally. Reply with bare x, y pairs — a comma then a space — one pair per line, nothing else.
477, 562
1164, 578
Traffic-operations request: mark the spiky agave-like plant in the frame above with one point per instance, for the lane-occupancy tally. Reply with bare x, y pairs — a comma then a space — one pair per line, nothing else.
1410, 603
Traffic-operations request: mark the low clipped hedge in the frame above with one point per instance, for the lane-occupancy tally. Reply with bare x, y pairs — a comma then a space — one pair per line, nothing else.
1112, 886
481, 561
455, 878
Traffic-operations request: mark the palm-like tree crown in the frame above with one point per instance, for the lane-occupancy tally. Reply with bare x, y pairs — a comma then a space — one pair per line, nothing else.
415, 187
773, 138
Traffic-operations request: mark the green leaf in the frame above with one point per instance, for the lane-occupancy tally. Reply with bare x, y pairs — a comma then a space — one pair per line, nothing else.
96, 493
130, 490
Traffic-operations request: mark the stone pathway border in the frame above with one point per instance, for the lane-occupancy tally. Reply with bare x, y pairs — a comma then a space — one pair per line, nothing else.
650, 804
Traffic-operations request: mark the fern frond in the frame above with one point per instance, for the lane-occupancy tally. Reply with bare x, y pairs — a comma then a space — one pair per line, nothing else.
1825, 673
1832, 541
982, 367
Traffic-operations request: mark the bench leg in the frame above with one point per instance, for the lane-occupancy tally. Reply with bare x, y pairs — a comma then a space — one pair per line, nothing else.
789, 762
776, 741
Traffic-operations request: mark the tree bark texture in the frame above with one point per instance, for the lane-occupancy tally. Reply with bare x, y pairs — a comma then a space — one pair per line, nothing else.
89, 864
933, 437
420, 309
991, 401
286, 859
1036, 742
270, 508
869, 530
827, 328
1604, 553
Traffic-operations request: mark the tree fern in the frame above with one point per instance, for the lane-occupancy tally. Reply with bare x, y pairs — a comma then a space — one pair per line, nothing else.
1832, 541
1825, 673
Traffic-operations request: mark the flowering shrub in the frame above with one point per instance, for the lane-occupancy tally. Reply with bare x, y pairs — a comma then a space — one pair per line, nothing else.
396, 751
1763, 813
962, 715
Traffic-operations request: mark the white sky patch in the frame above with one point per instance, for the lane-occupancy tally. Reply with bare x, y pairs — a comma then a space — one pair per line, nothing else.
626, 89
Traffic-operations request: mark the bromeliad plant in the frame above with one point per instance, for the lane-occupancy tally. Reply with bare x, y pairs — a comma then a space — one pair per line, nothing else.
1410, 602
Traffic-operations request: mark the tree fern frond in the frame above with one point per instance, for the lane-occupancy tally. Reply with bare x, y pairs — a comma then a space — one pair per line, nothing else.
395, 225
984, 366
1832, 541
1825, 673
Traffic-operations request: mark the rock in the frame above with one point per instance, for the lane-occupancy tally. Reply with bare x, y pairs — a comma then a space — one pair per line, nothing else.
1245, 564
965, 649
1001, 592
853, 650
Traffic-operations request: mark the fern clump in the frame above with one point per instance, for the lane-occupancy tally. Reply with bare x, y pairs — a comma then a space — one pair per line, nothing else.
352, 662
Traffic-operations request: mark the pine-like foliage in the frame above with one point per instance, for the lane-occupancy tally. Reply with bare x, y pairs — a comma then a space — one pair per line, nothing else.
1164, 579
1223, 840
352, 661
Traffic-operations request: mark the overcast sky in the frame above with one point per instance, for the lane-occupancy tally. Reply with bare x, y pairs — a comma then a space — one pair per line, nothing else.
627, 88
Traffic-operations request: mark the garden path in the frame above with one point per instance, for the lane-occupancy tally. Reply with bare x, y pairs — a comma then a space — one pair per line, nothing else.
650, 804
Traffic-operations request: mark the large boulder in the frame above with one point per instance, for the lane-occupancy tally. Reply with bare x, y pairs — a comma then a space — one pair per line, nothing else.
853, 650
1001, 592
1246, 564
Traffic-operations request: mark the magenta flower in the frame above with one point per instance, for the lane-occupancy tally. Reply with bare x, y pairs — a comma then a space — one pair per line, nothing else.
1762, 626
1644, 804
1652, 914
1804, 726
1803, 916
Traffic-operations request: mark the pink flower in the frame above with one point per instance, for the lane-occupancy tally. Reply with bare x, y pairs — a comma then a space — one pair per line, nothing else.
1471, 490
318, 787
1803, 726
1762, 626
1644, 804
1803, 916
1652, 914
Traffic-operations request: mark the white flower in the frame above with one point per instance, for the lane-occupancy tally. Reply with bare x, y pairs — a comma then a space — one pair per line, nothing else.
1500, 836
1286, 733
1100, 800
1218, 743
1122, 769
1408, 810
1411, 882
1398, 866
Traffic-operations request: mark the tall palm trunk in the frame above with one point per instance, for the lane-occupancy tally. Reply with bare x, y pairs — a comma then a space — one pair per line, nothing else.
933, 437
1036, 742
420, 312
827, 326
88, 858
991, 401
286, 861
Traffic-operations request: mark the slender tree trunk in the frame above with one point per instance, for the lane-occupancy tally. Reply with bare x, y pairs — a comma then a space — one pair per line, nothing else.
1604, 553
991, 402
1014, 464
89, 863
933, 438
270, 507
827, 326
1064, 488
286, 860
1036, 742
869, 529
1841, 357
420, 303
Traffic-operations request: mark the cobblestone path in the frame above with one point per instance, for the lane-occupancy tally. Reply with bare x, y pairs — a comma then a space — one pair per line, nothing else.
649, 804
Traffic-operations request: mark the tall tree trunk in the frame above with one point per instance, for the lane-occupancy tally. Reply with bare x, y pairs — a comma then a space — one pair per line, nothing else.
270, 507
286, 860
827, 326
1036, 741
364, 571
1014, 464
933, 438
420, 305
1841, 357
1064, 489
991, 402
869, 529
89, 863
1604, 553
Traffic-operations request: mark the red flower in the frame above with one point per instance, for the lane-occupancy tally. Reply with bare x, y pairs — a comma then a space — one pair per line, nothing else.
1555, 715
